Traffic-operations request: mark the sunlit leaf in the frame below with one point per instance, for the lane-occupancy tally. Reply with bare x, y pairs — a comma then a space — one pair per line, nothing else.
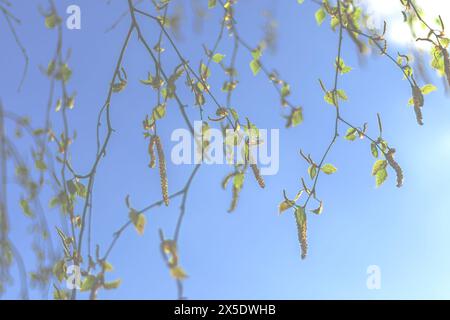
378, 165
218, 57
255, 66
319, 209
212, 4
328, 168
178, 273
312, 171
380, 177
374, 149
139, 220
320, 16
428, 88
88, 283
112, 284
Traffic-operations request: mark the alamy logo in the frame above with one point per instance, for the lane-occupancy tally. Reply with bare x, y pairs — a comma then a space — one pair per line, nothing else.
234, 146
73, 277
73, 21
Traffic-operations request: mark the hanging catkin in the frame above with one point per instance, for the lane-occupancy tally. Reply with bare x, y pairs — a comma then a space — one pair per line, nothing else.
257, 175
398, 171
162, 170
303, 240
446, 64
418, 103
300, 216
151, 152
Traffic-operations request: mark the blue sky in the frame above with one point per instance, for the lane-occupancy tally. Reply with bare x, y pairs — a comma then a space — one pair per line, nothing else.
252, 253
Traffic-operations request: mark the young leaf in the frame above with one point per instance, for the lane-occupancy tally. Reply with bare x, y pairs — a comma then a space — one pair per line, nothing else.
350, 134
378, 165
284, 205
295, 118
426, 89
88, 283
328, 169
178, 273
374, 149
312, 171
112, 284
319, 209
218, 57
380, 177
320, 16
138, 220
211, 4
255, 66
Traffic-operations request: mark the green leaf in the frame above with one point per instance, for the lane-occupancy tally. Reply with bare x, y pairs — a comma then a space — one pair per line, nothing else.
312, 171
112, 284
64, 73
178, 273
350, 134
300, 1
428, 88
234, 114
88, 283
343, 69
328, 97
334, 22
320, 16
119, 86
284, 205
71, 186
40, 165
107, 266
26, 208
378, 165
212, 4
139, 220
218, 57
374, 149
205, 71
256, 53
59, 270
51, 67
255, 66
328, 168
380, 177
295, 118
52, 21
285, 90
60, 295
341, 94
319, 209
159, 111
